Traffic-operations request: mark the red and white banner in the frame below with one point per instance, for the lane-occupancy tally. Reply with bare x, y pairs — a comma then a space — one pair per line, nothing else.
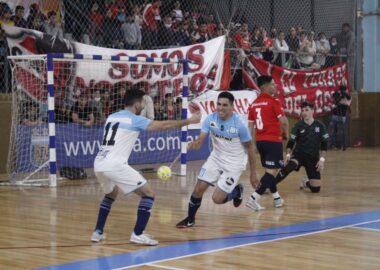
205, 67
296, 86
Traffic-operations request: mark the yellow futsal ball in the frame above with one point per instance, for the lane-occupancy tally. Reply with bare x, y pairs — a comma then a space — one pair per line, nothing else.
164, 173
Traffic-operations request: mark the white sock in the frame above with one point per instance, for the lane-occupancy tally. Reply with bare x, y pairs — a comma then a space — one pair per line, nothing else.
256, 195
275, 195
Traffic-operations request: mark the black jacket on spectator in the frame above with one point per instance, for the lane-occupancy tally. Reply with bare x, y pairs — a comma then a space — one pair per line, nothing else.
293, 43
166, 36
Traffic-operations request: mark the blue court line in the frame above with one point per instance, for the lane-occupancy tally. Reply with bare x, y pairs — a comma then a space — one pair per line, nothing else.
186, 249
375, 226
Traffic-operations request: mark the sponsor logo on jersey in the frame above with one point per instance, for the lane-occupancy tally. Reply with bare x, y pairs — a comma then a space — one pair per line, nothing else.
233, 130
317, 129
302, 131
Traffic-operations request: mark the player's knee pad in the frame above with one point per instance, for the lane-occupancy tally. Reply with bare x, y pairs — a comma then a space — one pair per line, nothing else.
314, 189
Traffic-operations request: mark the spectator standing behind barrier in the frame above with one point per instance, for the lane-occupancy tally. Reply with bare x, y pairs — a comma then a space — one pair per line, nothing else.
5, 15
346, 46
97, 107
148, 110
280, 45
151, 21
117, 100
337, 126
18, 18
82, 112
243, 37
166, 34
323, 48
35, 13
31, 114
131, 33
159, 113
333, 60
51, 25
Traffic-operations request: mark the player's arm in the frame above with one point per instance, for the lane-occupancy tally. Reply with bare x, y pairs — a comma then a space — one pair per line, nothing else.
325, 137
194, 145
284, 127
169, 124
251, 150
291, 143
284, 124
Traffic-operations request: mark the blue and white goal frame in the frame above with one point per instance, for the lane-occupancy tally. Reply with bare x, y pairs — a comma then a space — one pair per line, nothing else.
51, 104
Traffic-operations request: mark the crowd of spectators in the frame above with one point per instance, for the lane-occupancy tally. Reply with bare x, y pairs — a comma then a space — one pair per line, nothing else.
93, 107
299, 49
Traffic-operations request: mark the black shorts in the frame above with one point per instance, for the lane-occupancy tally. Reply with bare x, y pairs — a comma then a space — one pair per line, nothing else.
270, 154
309, 163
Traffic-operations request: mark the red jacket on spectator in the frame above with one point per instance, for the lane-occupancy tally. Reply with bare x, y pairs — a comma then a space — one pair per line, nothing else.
151, 16
242, 40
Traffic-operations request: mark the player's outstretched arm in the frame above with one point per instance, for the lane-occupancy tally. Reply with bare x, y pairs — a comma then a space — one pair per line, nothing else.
168, 124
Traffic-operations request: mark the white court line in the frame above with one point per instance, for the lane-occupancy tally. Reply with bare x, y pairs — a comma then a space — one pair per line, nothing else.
248, 244
366, 229
164, 267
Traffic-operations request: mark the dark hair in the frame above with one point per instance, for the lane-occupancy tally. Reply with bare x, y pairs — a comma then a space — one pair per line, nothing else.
19, 8
343, 88
227, 95
263, 80
132, 96
51, 13
307, 104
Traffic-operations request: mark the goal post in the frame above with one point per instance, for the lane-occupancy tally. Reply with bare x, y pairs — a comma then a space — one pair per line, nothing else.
55, 74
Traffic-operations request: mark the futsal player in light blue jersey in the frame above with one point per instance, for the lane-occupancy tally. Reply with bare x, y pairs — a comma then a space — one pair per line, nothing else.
232, 148
111, 164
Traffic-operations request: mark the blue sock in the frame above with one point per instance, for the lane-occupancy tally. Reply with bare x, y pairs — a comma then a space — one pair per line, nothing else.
105, 208
194, 204
143, 214
234, 193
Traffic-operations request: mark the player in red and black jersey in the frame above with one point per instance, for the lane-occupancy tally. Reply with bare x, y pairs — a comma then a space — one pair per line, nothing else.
269, 126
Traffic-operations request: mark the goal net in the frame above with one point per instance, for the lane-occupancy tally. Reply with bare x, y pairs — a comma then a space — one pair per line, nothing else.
61, 102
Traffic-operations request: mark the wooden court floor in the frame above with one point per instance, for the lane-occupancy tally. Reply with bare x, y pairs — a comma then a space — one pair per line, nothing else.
42, 227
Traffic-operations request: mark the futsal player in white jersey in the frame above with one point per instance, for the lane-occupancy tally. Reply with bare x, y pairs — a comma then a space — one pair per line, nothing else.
111, 164
232, 148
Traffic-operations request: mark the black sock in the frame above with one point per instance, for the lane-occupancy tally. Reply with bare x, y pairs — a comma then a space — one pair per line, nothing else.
265, 182
312, 188
284, 172
273, 185
194, 204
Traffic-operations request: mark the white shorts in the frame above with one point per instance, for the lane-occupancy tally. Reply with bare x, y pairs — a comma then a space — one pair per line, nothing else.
127, 179
226, 178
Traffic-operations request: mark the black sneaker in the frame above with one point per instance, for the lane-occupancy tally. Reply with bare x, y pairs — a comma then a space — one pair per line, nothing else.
186, 223
239, 199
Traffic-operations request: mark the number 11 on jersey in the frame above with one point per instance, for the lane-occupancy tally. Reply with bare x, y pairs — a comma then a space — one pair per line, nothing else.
114, 128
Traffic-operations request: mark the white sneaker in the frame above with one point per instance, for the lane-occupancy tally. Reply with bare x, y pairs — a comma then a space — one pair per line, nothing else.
143, 239
253, 204
279, 202
97, 237
303, 182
